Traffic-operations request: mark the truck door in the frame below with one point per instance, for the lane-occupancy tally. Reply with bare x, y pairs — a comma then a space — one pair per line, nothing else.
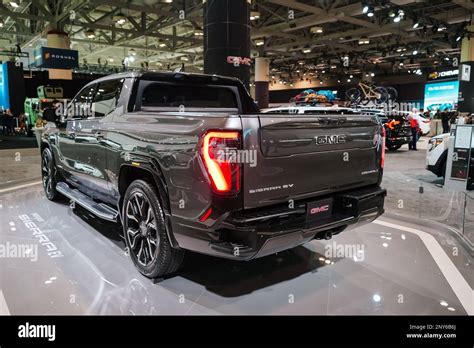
67, 153
91, 140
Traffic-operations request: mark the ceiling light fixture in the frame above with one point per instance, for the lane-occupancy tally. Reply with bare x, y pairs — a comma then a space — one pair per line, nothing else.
14, 4
254, 15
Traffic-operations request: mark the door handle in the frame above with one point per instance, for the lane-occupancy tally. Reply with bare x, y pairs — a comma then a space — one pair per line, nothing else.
99, 135
71, 134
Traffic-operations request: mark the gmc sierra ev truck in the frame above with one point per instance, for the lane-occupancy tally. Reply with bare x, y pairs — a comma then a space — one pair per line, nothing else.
187, 162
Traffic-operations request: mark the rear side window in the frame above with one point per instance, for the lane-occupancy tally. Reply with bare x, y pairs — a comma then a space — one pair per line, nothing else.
199, 96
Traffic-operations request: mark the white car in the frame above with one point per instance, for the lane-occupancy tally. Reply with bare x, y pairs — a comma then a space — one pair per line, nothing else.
308, 110
437, 154
423, 122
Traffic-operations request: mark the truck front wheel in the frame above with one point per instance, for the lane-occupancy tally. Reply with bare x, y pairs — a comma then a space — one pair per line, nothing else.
48, 174
145, 232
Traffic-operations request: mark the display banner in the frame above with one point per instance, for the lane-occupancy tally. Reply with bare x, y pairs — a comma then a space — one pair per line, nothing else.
441, 96
4, 95
444, 75
56, 58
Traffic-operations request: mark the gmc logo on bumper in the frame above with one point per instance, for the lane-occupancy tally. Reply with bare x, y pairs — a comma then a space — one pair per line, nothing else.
321, 209
330, 139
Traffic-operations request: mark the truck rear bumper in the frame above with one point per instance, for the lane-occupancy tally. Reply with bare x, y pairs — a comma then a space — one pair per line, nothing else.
258, 233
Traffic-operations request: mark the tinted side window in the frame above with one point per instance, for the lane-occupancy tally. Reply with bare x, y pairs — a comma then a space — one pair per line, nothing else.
169, 95
80, 105
106, 97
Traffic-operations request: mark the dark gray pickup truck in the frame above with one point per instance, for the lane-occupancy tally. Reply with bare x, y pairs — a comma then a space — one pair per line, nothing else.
187, 162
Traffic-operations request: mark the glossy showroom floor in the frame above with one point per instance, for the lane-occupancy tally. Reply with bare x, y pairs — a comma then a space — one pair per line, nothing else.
401, 270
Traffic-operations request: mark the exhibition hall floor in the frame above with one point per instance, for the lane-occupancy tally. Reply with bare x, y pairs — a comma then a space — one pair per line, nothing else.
389, 267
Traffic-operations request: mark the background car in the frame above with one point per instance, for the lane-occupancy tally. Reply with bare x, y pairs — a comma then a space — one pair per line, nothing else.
437, 154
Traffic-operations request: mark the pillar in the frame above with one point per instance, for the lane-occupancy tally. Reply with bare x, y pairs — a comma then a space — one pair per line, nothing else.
58, 39
262, 79
227, 38
466, 74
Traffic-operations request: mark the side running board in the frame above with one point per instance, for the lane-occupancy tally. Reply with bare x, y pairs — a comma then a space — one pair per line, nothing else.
101, 210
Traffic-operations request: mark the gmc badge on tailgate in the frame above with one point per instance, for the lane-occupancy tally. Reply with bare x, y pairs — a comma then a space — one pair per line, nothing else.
330, 139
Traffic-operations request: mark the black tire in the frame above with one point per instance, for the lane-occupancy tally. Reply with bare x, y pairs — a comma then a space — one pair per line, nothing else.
353, 95
382, 92
392, 93
145, 232
48, 175
393, 147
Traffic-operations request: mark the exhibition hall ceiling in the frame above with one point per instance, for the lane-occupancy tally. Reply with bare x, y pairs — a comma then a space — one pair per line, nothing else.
394, 36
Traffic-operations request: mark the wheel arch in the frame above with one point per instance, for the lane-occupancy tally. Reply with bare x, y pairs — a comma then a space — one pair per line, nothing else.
151, 173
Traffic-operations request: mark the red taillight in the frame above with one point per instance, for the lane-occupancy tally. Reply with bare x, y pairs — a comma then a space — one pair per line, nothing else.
382, 160
206, 215
219, 155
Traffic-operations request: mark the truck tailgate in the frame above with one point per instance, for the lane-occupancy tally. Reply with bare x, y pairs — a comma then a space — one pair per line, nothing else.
299, 157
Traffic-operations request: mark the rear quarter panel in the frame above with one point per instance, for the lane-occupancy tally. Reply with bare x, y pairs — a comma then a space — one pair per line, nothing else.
173, 141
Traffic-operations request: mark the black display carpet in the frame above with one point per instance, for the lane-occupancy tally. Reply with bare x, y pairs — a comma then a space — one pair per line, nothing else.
17, 142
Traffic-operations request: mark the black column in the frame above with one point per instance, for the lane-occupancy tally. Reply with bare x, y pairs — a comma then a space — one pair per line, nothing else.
227, 39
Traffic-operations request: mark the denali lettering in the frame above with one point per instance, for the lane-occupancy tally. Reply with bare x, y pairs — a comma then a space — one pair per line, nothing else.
330, 139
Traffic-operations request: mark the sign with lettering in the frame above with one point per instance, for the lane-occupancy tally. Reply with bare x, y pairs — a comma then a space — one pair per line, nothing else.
56, 58
237, 61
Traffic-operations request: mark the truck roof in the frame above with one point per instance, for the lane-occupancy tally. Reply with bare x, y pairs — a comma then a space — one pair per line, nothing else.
172, 76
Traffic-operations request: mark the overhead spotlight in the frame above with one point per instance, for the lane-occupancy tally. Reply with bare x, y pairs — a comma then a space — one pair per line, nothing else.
400, 15
259, 42
416, 24
1, 24
198, 32
415, 52
401, 64
352, 76
90, 34
372, 74
120, 19
14, 4
162, 45
167, 1
365, 7
316, 30
391, 14
254, 15
307, 50
458, 37
184, 58
370, 11
364, 41
348, 80
441, 28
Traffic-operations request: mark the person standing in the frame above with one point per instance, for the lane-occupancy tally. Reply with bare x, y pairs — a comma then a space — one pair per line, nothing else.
9, 122
445, 121
415, 129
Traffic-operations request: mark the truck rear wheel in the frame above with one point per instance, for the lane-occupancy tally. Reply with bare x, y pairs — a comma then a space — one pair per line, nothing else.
145, 232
